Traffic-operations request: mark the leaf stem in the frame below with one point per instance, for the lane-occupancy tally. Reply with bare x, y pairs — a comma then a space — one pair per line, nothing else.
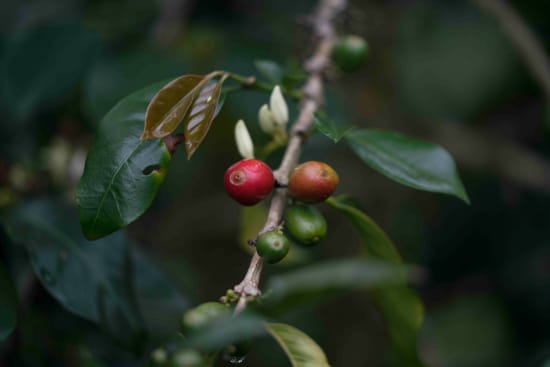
252, 82
310, 100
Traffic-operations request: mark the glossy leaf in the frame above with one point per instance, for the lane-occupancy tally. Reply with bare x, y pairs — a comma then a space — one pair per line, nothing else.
122, 173
329, 128
200, 116
317, 281
409, 161
169, 106
192, 99
403, 311
42, 64
8, 304
104, 281
302, 351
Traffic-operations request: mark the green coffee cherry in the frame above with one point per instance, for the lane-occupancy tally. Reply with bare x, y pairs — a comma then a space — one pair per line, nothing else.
272, 246
349, 52
202, 316
306, 224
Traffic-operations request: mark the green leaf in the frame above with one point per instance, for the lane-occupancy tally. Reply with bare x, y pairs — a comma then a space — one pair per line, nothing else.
227, 330
271, 70
103, 281
409, 161
160, 303
330, 129
300, 348
122, 173
8, 304
317, 281
402, 309
42, 64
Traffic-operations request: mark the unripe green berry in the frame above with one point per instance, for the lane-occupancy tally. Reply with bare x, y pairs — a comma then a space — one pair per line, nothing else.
349, 52
272, 246
202, 316
306, 224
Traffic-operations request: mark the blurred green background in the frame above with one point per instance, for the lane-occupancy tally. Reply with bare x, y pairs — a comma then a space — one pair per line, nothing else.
440, 70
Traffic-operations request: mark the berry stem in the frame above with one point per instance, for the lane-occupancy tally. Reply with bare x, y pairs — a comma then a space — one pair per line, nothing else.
311, 99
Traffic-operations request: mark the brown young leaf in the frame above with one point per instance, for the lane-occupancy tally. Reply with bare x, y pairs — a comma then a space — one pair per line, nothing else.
171, 104
200, 115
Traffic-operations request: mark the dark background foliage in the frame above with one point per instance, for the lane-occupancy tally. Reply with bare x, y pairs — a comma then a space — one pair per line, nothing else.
439, 70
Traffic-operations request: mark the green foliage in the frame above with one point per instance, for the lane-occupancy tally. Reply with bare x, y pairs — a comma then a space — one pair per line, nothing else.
8, 304
122, 173
409, 161
316, 282
30, 80
474, 331
300, 348
402, 309
105, 281
329, 128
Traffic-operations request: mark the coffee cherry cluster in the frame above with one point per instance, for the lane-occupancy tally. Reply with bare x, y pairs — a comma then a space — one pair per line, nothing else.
249, 181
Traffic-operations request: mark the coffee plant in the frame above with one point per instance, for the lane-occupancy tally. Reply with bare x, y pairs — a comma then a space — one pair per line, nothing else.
285, 206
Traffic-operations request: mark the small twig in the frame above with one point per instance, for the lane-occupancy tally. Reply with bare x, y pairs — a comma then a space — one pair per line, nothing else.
310, 101
251, 82
524, 40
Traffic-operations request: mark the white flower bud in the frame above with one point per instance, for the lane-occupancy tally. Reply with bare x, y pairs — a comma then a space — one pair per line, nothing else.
243, 140
267, 121
278, 106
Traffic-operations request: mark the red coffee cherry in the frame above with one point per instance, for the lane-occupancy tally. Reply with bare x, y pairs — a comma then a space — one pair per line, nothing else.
312, 182
249, 181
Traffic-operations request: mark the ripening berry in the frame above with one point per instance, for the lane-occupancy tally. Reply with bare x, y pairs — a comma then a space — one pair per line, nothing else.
272, 246
312, 182
249, 181
349, 52
306, 224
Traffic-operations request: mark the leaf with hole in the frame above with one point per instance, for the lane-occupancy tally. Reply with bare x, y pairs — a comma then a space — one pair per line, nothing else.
402, 309
409, 161
8, 304
301, 350
122, 173
329, 128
